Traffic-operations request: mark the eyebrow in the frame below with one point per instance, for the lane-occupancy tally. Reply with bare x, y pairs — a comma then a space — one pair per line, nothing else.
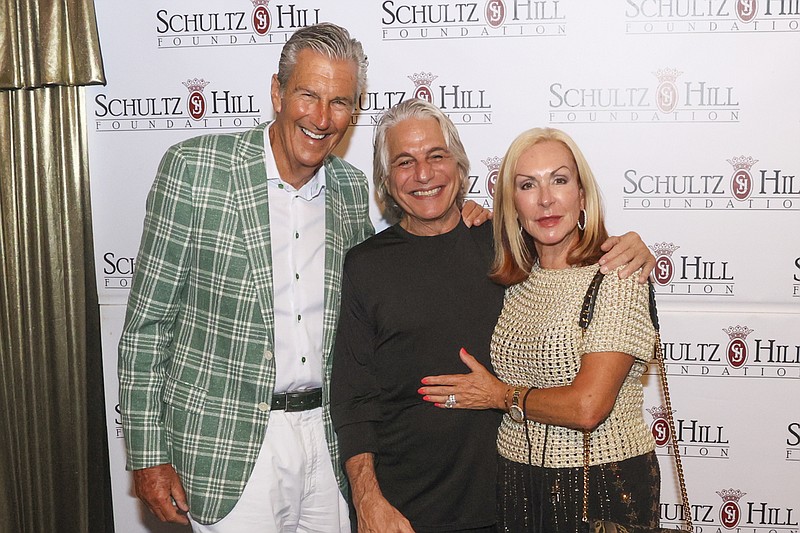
429, 152
551, 173
302, 88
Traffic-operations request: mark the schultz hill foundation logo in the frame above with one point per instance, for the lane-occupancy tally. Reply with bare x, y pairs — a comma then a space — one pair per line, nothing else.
660, 426
679, 17
464, 105
264, 25
667, 92
690, 275
202, 108
422, 83
261, 18
729, 510
730, 514
736, 351
493, 166
740, 353
196, 103
741, 184
487, 19
665, 267
742, 180
481, 188
676, 97
692, 438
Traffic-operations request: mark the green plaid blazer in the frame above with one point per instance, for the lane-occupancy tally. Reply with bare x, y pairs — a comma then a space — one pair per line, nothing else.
195, 356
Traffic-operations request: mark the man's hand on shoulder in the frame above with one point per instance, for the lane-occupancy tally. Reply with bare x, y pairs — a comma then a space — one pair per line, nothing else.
473, 214
629, 252
160, 489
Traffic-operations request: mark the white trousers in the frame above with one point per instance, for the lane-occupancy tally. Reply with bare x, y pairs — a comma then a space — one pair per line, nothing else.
292, 488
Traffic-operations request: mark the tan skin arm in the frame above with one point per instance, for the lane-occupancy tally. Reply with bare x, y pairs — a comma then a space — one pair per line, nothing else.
583, 405
375, 514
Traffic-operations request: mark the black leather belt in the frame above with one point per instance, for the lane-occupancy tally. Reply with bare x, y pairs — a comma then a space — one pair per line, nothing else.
297, 401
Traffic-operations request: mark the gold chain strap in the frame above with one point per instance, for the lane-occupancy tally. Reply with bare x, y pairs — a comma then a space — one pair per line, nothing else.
586, 436
687, 510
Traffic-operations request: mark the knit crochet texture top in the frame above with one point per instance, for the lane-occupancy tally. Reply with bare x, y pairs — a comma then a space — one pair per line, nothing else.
538, 343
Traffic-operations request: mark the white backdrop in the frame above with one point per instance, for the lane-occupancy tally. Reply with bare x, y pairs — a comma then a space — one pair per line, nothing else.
686, 109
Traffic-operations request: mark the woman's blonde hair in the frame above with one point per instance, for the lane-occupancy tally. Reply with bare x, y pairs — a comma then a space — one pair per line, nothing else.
515, 253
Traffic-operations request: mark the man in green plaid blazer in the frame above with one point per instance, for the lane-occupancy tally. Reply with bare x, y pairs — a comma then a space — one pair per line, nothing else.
196, 362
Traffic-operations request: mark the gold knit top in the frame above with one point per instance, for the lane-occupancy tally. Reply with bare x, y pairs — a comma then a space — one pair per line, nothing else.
537, 343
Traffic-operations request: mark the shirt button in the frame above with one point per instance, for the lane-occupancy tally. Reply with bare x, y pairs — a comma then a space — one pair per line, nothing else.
296, 235
302, 359
298, 318
297, 276
267, 354
263, 407
280, 185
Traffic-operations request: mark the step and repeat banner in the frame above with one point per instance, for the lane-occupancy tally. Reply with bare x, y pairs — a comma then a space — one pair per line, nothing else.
687, 110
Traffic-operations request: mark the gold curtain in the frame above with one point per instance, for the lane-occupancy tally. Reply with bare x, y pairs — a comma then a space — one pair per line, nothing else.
53, 451
48, 42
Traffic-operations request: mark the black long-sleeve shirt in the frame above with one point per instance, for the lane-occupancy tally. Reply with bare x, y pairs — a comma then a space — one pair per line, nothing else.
409, 304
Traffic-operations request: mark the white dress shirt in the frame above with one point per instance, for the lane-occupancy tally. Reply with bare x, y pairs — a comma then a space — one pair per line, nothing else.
297, 234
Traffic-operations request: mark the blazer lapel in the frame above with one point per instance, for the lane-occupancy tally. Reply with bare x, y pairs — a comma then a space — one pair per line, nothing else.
334, 258
249, 173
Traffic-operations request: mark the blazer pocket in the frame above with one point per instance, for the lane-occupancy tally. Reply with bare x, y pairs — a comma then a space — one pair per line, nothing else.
184, 396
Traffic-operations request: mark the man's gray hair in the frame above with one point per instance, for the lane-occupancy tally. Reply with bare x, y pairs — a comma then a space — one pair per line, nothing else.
330, 40
419, 109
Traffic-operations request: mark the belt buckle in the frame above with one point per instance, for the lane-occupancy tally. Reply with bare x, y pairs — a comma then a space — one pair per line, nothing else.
284, 402
294, 402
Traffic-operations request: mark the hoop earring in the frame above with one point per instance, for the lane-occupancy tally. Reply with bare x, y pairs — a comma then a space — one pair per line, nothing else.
585, 218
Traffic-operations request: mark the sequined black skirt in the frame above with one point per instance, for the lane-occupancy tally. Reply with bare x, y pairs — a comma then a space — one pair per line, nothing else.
536, 499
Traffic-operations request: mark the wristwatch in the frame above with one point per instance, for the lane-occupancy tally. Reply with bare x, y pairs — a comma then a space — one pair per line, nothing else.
515, 411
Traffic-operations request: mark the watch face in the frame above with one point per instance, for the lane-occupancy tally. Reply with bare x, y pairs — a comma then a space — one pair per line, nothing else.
516, 414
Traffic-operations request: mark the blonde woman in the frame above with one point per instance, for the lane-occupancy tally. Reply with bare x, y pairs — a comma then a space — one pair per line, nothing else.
553, 382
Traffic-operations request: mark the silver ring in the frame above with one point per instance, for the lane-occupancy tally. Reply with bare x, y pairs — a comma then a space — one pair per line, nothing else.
451, 401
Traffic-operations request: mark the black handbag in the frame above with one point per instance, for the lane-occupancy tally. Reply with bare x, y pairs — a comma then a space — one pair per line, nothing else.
606, 526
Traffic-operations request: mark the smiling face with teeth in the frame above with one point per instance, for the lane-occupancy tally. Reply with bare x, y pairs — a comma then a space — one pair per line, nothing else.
424, 178
313, 111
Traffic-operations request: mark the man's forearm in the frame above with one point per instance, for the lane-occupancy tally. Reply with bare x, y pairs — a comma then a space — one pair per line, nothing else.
360, 470
375, 513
